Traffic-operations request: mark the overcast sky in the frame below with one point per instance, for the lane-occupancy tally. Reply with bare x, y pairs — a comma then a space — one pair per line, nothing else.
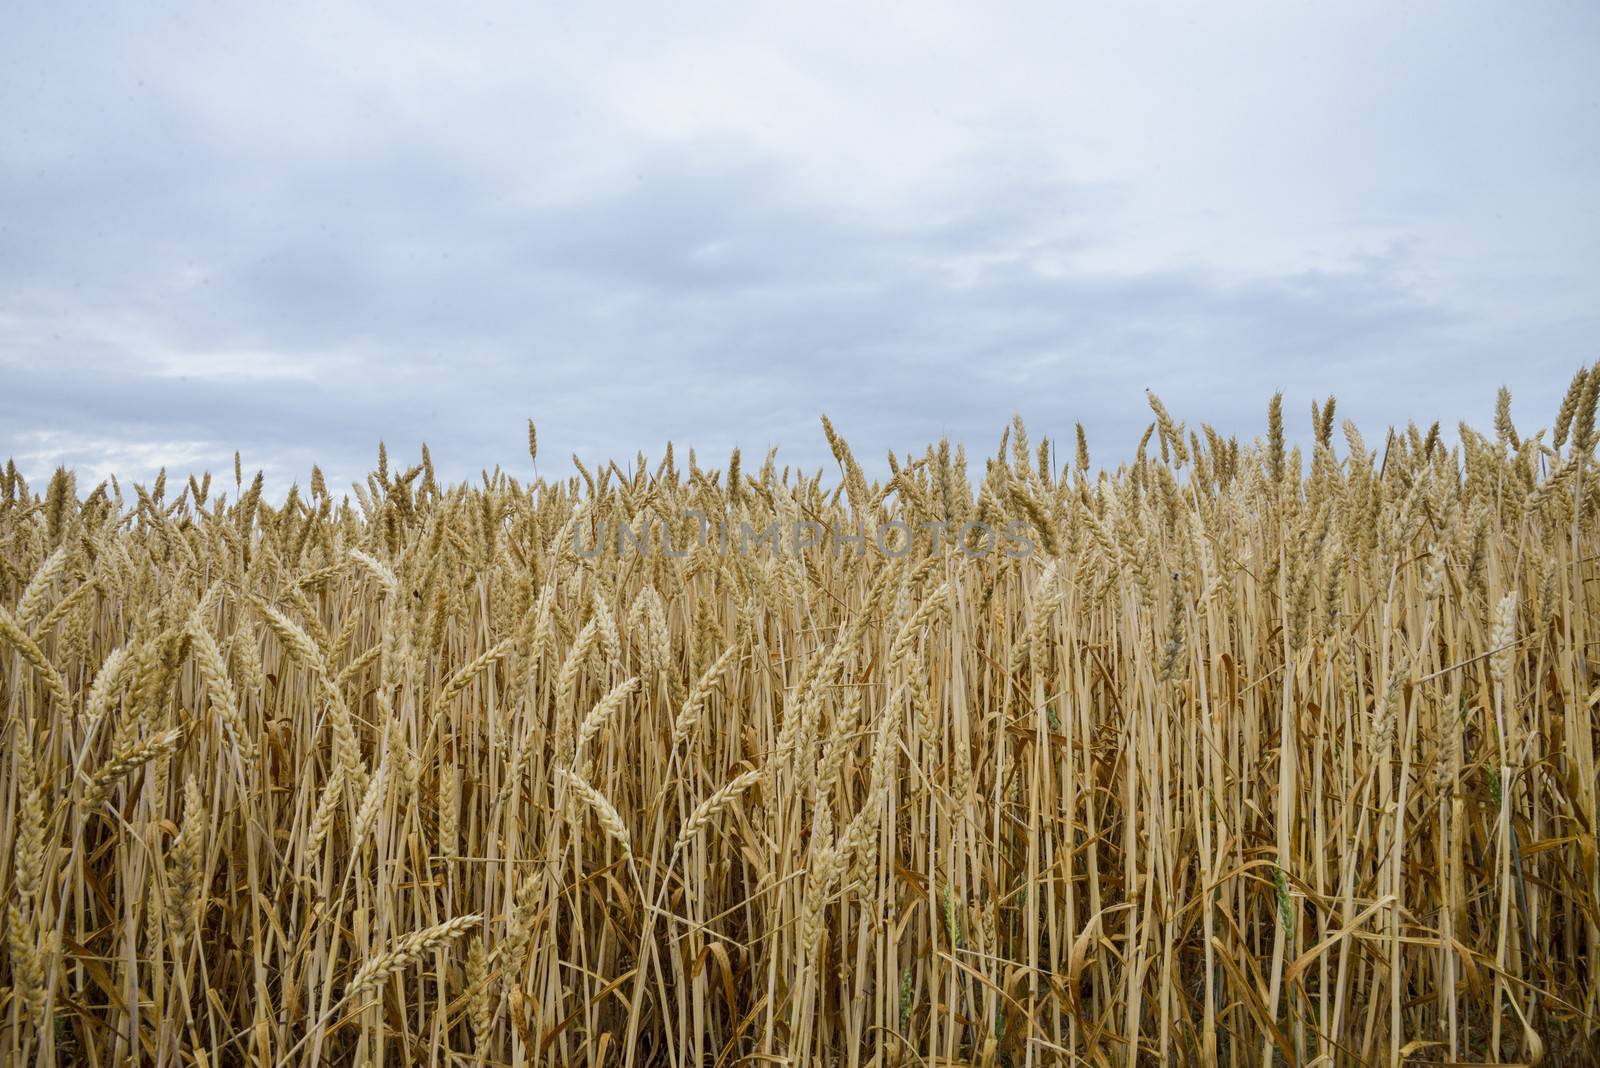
294, 230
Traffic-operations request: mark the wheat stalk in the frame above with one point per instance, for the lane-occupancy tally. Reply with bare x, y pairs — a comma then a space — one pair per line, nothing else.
1270, 750
405, 952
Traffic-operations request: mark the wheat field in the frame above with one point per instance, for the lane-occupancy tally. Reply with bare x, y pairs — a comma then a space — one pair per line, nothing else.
1231, 754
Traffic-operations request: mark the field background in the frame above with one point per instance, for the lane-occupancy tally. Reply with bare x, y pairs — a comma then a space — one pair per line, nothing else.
1260, 757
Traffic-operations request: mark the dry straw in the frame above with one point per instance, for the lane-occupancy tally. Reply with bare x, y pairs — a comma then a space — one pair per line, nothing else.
1266, 752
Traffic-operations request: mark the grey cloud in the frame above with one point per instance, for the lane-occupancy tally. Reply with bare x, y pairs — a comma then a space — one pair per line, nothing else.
576, 317
164, 281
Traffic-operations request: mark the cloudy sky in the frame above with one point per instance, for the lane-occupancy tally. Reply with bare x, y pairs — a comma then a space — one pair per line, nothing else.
295, 230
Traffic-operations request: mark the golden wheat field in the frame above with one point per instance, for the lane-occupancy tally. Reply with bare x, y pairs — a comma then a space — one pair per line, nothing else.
1228, 755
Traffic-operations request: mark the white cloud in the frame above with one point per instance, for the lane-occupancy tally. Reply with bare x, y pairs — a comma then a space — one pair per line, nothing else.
95, 459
